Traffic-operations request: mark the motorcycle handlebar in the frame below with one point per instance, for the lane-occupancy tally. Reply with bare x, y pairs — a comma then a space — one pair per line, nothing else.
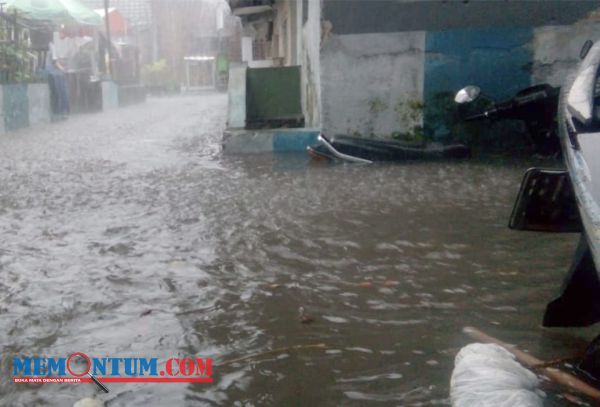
475, 117
493, 113
518, 107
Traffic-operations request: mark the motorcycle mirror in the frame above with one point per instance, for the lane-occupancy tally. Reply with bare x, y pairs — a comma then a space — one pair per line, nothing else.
585, 49
467, 94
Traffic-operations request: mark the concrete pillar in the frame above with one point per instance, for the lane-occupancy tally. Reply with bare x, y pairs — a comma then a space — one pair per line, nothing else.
288, 35
237, 97
247, 53
298, 31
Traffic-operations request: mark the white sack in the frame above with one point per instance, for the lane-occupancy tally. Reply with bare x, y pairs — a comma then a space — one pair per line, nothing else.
488, 375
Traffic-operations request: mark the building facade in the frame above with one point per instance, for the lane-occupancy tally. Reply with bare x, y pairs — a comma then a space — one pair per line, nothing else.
379, 68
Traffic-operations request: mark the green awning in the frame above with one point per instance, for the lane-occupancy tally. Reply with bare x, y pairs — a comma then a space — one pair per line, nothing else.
82, 14
56, 10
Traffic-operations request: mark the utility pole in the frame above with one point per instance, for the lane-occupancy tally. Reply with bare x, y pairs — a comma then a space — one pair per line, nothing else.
108, 40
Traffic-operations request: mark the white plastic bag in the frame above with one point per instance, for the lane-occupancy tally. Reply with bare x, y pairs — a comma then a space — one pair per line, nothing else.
488, 375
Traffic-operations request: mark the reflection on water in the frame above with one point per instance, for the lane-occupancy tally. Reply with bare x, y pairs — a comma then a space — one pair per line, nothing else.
140, 239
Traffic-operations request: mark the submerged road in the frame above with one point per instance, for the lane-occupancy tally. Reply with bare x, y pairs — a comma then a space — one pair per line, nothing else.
128, 234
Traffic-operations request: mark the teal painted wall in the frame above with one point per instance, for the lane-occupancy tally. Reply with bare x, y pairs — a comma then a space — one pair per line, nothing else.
273, 94
16, 106
294, 140
498, 60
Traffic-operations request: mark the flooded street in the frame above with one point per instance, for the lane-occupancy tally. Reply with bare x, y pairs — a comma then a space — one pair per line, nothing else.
130, 234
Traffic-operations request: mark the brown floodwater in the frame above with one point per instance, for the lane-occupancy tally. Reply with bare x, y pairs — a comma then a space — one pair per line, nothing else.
131, 234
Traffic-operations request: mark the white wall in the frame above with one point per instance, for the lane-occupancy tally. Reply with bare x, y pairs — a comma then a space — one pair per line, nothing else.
367, 80
556, 50
236, 117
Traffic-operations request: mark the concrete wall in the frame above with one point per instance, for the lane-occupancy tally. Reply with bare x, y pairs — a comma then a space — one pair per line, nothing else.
496, 59
25, 105
236, 115
372, 84
39, 104
391, 68
110, 95
268, 140
556, 50
16, 106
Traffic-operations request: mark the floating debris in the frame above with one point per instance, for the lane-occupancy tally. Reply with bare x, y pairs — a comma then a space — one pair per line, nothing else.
304, 318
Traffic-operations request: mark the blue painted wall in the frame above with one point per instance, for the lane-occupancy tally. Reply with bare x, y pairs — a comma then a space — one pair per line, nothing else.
496, 59
294, 140
16, 106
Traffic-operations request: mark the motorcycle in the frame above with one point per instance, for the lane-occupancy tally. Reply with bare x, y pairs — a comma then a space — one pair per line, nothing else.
568, 200
536, 106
